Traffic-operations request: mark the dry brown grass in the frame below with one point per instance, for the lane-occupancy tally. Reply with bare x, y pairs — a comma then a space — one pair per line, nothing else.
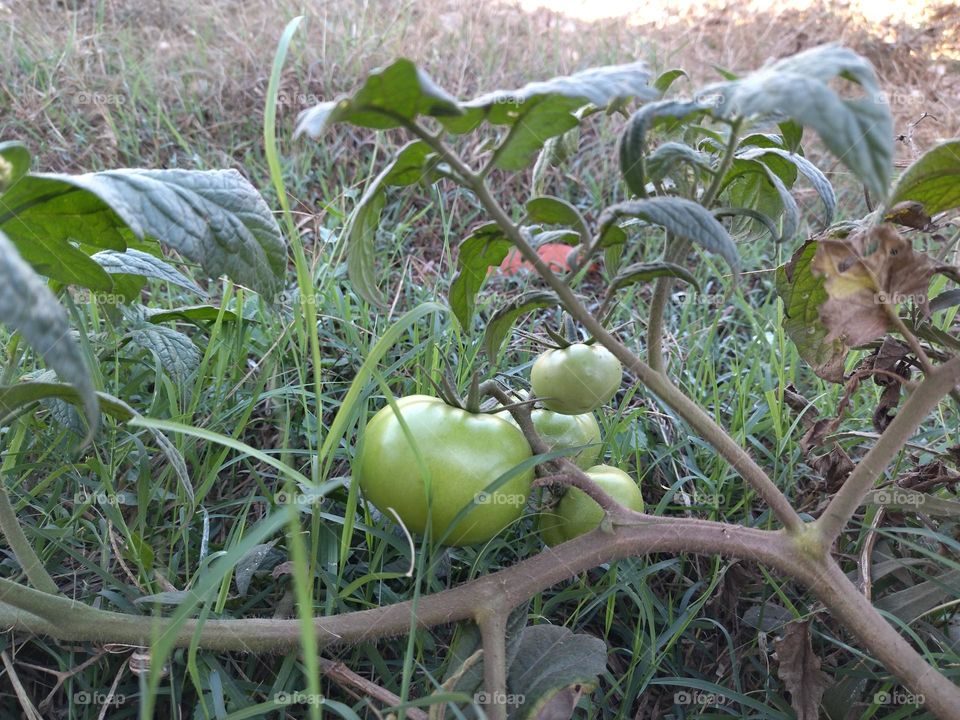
181, 77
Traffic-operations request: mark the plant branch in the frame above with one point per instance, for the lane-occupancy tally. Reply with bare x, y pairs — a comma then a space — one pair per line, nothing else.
22, 549
921, 402
493, 634
676, 248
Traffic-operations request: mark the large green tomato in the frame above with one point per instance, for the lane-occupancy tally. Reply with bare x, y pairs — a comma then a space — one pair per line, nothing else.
577, 379
565, 431
577, 513
463, 453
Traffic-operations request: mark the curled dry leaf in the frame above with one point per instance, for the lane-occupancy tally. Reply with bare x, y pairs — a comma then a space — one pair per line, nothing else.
800, 670
862, 273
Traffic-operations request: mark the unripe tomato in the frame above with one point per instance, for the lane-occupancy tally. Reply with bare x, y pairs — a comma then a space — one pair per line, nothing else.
577, 513
577, 379
463, 453
565, 431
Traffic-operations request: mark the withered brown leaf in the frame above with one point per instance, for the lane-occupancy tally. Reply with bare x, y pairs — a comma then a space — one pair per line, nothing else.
864, 271
800, 670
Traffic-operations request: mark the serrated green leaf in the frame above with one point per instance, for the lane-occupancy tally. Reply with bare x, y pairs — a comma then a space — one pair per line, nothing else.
764, 220
485, 247
808, 169
541, 119
662, 161
684, 218
792, 134
389, 97
213, 217
28, 307
646, 271
933, 180
136, 262
667, 78
14, 164
552, 211
599, 86
858, 131
633, 139
175, 351
754, 184
16, 396
502, 321
549, 660
361, 236
803, 293
410, 165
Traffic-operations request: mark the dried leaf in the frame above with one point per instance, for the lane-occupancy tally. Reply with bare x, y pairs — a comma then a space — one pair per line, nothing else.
800, 670
861, 273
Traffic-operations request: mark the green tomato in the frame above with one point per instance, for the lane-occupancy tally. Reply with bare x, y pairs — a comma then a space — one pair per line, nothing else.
577, 513
463, 454
577, 379
565, 431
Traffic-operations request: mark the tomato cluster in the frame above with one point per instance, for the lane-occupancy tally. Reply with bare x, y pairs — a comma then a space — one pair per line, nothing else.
465, 476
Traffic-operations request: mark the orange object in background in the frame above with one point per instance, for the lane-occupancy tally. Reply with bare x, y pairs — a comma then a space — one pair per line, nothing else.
555, 255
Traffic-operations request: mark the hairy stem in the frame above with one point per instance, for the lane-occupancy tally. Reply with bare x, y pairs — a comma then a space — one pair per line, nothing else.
921, 402
676, 248
22, 549
493, 633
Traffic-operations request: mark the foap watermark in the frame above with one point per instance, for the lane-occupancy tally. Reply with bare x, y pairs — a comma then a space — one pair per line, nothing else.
896, 496
497, 498
82, 497
499, 698
85, 697
698, 697
884, 298
898, 696
298, 99
298, 698
285, 498
99, 98
85, 296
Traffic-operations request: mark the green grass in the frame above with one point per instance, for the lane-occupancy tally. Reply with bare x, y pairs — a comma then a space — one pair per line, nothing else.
669, 623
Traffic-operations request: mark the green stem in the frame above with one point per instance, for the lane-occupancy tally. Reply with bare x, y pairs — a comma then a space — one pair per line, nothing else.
21, 547
676, 249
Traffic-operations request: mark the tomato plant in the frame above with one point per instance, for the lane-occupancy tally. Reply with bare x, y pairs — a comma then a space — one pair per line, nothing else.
442, 462
576, 513
576, 379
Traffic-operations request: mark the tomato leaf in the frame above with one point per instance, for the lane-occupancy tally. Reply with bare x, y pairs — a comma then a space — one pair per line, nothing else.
633, 143
858, 131
498, 327
28, 307
667, 78
14, 163
390, 97
213, 217
810, 171
550, 660
136, 262
175, 351
646, 271
800, 670
684, 218
600, 86
196, 314
933, 180
485, 247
